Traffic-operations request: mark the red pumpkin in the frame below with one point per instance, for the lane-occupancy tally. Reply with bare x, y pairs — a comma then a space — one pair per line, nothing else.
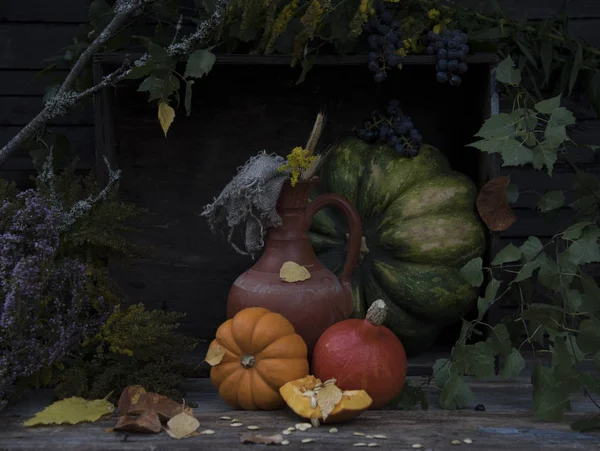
361, 354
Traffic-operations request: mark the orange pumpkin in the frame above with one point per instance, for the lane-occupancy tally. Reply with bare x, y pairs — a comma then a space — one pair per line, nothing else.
261, 352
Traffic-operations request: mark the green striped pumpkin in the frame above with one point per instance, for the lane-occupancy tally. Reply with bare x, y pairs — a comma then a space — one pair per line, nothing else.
419, 228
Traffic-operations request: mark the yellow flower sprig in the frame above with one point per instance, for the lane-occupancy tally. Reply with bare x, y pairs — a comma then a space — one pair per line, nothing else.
298, 160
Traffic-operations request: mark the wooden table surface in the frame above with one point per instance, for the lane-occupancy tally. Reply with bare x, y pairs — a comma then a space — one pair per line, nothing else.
507, 423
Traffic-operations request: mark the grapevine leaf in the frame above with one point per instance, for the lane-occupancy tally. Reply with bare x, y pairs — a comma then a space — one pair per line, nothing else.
515, 153
476, 360
586, 424
531, 248
482, 307
556, 129
590, 381
472, 272
544, 155
574, 232
523, 46
589, 336
491, 290
586, 249
456, 394
410, 396
574, 349
590, 302
140, 71
507, 74
508, 254
528, 268
159, 54
512, 193
549, 105
188, 97
549, 400
551, 200
548, 316
159, 88
199, 64
514, 363
562, 361
576, 67
166, 116
499, 340
498, 126
441, 372
574, 300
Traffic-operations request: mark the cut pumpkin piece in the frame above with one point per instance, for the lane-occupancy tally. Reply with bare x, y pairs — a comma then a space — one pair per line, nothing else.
335, 406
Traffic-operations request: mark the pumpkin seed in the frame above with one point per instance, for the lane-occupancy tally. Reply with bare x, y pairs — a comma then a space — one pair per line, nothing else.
207, 432
333, 430
358, 433
373, 444
468, 441
285, 442
379, 436
253, 428
235, 420
224, 418
417, 445
307, 440
235, 425
313, 403
455, 442
369, 436
303, 425
286, 432
315, 422
360, 444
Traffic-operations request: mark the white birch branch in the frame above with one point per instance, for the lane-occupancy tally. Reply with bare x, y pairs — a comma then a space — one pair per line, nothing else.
66, 99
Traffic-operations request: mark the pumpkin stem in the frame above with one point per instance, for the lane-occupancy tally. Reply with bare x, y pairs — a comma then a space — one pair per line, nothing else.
376, 313
248, 361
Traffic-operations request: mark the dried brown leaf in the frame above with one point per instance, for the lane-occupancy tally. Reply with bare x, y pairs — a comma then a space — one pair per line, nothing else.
258, 439
327, 398
182, 425
493, 207
214, 355
293, 272
147, 422
165, 407
130, 396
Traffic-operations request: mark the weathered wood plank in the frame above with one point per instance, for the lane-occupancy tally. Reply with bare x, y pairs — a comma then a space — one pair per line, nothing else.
24, 83
535, 9
16, 110
531, 222
44, 11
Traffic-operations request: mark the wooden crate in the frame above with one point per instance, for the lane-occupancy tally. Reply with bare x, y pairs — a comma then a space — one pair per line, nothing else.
247, 104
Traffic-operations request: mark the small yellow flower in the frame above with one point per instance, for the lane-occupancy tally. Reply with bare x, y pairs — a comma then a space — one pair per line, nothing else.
437, 28
298, 160
400, 52
433, 14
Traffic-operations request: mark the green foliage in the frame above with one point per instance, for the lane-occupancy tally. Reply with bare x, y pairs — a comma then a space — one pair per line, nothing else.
135, 346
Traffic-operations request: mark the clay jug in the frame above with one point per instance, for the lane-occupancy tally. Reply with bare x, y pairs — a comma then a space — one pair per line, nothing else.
313, 304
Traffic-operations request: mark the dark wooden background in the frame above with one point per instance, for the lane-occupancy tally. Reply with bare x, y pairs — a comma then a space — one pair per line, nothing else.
32, 30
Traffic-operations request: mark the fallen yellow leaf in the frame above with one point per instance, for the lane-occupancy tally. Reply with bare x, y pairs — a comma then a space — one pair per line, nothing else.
327, 398
71, 411
293, 272
182, 425
166, 116
214, 355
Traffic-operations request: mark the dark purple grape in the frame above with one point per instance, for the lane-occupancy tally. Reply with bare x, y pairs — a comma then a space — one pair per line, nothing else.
372, 56
464, 49
395, 25
414, 134
383, 30
462, 68
432, 37
452, 54
430, 50
453, 66
442, 77
442, 65
373, 66
393, 60
399, 148
380, 76
455, 80
438, 45
374, 42
442, 54
387, 17
394, 38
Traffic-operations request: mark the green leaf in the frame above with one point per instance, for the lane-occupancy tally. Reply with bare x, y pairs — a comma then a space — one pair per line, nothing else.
574, 232
514, 363
574, 300
531, 248
528, 268
499, 340
590, 381
546, 55
549, 399
549, 316
523, 46
544, 155
576, 67
508, 254
589, 423
515, 153
588, 339
586, 249
441, 372
474, 360
493, 34
456, 394
507, 74
160, 88
590, 302
548, 275
141, 71
472, 272
574, 349
556, 131
594, 91
159, 54
512, 193
551, 200
199, 64
498, 126
98, 8
410, 396
549, 105
188, 97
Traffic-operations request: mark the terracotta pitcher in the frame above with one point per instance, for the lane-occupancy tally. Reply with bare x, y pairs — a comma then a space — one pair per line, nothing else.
313, 304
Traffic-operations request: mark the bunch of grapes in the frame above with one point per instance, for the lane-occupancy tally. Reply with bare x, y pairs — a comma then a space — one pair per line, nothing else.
385, 38
451, 49
393, 128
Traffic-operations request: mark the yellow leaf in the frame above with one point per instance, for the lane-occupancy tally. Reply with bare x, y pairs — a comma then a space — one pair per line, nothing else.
182, 425
327, 398
293, 272
214, 355
166, 115
72, 411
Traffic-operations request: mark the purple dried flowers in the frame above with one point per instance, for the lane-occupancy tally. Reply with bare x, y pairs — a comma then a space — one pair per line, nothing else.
45, 306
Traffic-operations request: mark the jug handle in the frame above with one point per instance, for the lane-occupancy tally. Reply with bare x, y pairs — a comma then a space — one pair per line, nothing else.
354, 225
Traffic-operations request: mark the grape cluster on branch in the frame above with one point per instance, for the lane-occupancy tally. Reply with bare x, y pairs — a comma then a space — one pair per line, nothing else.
451, 50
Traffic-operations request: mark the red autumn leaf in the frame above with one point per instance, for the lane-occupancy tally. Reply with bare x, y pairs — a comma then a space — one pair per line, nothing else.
492, 205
